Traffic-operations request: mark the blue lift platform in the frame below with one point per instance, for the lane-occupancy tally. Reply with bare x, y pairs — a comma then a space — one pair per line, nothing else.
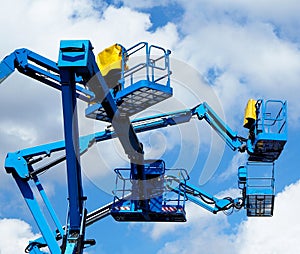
144, 81
147, 190
256, 180
268, 133
162, 203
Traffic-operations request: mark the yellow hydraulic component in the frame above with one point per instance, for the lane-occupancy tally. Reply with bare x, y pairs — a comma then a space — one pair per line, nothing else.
110, 58
109, 62
250, 113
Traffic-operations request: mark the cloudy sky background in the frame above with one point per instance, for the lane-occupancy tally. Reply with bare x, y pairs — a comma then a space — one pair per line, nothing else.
224, 52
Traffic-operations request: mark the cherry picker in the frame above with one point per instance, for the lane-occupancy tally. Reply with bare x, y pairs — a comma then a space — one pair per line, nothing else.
147, 190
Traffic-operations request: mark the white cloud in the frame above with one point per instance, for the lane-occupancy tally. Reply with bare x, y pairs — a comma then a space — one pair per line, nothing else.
15, 132
280, 233
204, 231
248, 49
253, 52
15, 236
75, 20
143, 4
30, 111
237, 161
245, 11
253, 60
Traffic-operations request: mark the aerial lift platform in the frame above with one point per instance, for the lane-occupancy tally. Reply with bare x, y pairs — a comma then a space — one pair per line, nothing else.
256, 180
139, 86
147, 190
266, 121
163, 205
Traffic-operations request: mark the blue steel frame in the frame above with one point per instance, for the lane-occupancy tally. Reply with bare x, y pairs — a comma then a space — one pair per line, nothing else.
268, 135
77, 66
147, 81
257, 182
17, 163
149, 65
164, 205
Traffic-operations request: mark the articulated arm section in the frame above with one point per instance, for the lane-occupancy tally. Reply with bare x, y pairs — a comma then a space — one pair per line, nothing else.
20, 164
39, 68
203, 111
207, 201
20, 160
50, 73
77, 75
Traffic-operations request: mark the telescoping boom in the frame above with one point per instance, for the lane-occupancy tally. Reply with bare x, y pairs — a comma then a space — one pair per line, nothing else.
115, 89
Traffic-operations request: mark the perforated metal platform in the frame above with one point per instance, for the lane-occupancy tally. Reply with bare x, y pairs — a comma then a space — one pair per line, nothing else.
259, 189
260, 205
268, 147
133, 99
168, 214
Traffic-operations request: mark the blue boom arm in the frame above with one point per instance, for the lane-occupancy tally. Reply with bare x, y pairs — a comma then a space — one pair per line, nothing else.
204, 111
76, 67
77, 76
40, 68
20, 164
206, 200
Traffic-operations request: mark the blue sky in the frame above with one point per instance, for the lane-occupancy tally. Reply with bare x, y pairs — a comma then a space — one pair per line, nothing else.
223, 52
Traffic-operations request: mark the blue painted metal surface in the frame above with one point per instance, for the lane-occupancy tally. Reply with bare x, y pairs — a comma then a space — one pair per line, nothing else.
256, 180
39, 217
40, 68
7, 67
206, 200
155, 67
154, 194
204, 111
163, 203
75, 59
48, 205
132, 99
242, 176
72, 155
268, 135
76, 64
142, 85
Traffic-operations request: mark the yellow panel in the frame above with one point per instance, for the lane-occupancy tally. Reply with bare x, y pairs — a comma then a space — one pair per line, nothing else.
109, 59
250, 114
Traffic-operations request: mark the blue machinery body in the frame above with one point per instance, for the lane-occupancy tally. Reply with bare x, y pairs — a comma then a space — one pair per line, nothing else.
147, 191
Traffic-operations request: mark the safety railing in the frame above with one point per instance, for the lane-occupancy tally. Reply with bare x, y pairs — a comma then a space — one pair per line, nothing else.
175, 179
260, 191
272, 116
260, 178
144, 62
160, 185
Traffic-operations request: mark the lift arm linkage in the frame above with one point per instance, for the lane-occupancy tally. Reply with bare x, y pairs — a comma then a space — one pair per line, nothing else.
204, 199
204, 111
77, 75
39, 68
20, 163
208, 201
46, 71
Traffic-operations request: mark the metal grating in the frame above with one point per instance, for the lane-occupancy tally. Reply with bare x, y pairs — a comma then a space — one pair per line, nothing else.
260, 205
132, 103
